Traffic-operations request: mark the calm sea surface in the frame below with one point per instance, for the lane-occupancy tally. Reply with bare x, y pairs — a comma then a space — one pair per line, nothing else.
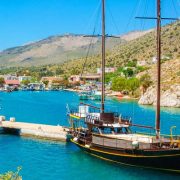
54, 161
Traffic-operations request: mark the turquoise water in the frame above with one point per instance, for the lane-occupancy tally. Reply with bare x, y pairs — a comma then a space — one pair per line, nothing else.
53, 161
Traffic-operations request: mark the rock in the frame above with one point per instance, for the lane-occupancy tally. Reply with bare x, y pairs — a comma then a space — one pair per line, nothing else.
169, 98
148, 97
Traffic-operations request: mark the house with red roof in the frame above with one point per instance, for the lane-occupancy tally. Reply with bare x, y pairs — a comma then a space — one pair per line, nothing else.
14, 82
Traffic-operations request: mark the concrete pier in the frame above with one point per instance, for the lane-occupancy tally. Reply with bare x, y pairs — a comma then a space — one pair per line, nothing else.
35, 130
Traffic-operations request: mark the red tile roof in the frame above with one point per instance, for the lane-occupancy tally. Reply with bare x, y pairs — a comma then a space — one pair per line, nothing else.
12, 82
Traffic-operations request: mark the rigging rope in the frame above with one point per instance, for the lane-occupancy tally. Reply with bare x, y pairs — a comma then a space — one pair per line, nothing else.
89, 47
113, 20
175, 9
91, 40
134, 13
143, 21
93, 16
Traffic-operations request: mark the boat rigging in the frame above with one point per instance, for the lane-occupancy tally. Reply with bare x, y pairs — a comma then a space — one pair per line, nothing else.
109, 136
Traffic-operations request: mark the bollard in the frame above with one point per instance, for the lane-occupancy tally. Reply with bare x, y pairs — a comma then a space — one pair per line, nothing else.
12, 119
2, 118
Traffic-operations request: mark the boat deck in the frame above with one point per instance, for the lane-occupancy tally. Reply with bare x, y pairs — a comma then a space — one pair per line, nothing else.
137, 137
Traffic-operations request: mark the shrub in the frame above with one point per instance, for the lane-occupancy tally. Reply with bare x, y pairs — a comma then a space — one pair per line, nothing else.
25, 82
10, 175
118, 84
145, 81
132, 84
1, 81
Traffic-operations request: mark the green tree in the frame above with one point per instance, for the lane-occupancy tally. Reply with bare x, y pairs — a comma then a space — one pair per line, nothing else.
34, 79
46, 82
132, 63
109, 77
118, 83
2, 81
145, 81
128, 72
132, 85
141, 68
25, 82
59, 71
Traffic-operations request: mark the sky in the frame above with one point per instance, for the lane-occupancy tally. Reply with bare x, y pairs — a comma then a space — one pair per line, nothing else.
25, 21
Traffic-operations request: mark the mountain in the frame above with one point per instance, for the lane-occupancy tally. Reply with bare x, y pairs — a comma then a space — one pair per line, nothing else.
54, 49
144, 48
141, 49
60, 48
134, 35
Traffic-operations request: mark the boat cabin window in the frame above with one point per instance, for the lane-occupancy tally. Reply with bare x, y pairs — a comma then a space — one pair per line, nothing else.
107, 130
123, 130
97, 130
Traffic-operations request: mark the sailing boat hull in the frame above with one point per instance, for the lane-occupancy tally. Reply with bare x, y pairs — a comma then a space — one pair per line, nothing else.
160, 160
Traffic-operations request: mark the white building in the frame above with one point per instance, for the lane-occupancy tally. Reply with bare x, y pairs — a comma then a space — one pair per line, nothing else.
10, 77
24, 78
107, 70
74, 78
154, 59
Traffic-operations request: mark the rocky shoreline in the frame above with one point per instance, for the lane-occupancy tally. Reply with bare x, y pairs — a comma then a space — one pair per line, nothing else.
169, 98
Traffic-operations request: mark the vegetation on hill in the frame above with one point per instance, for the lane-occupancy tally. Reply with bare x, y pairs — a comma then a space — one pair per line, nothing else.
55, 49
140, 49
128, 85
126, 58
170, 74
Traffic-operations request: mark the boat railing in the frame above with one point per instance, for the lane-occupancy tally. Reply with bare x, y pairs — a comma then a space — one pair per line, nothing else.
130, 143
125, 120
113, 143
93, 119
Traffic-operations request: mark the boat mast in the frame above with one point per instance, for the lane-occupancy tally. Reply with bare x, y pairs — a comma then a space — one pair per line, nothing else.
158, 68
103, 58
158, 18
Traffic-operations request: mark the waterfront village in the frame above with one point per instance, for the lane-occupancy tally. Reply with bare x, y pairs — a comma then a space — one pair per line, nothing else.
79, 83
133, 80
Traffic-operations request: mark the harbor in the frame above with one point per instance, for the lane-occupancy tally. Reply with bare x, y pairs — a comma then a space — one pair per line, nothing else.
49, 132
99, 99
31, 151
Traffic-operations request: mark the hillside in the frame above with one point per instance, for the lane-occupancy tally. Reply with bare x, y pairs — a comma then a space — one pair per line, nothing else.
144, 48
170, 85
58, 49
55, 49
134, 35
170, 73
140, 49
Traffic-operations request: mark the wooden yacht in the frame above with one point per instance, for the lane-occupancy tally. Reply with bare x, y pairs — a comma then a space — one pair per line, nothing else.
109, 136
